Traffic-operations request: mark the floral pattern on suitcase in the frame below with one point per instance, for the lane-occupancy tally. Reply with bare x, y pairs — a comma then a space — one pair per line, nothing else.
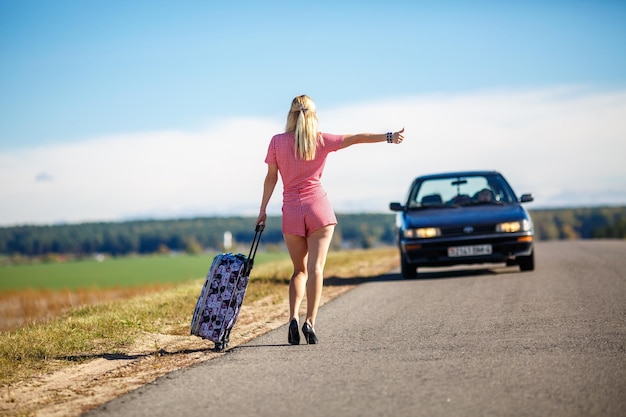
220, 300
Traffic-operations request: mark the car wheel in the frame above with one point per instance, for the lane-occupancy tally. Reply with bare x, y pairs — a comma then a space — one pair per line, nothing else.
527, 263
409, 270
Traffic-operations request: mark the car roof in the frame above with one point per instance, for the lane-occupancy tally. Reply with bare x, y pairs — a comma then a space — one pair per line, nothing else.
456, 174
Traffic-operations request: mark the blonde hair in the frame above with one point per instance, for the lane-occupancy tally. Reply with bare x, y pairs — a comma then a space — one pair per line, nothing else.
302, 120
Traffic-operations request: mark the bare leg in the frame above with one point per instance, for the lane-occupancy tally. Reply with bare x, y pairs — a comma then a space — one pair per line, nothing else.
298, 250
318, 244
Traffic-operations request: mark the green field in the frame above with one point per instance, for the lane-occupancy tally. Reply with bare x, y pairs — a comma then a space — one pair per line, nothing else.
113, 272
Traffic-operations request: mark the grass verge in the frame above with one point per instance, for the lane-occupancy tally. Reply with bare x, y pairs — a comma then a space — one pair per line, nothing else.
105, 329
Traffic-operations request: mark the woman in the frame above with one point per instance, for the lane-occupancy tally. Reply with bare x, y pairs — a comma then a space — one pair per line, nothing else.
308, 222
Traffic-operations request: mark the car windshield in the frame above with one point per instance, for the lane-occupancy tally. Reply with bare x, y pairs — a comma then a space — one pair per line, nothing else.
460, 191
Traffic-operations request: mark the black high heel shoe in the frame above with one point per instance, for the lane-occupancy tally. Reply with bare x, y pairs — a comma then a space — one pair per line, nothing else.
309, 334
294, 335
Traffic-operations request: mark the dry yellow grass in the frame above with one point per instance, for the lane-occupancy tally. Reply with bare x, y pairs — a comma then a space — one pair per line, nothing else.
22, 307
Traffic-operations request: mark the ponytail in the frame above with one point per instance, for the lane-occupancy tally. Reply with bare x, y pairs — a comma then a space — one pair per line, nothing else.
302, 120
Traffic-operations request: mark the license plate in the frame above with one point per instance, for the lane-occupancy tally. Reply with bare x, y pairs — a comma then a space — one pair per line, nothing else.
475, 250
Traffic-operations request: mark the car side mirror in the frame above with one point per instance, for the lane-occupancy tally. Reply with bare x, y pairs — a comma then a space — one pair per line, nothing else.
526, 198
396, 207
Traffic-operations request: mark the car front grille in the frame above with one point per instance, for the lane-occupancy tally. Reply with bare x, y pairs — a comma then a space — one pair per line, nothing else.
465, 230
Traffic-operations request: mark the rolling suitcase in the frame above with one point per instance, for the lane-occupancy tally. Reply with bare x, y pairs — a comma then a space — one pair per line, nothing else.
223, 292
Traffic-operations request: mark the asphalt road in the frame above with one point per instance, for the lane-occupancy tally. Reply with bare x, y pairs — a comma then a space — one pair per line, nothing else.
479, 342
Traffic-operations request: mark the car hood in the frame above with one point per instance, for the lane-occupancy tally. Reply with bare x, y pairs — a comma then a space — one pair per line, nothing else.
463, 216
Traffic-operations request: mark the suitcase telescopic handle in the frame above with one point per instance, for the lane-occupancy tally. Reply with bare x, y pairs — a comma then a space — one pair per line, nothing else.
255, 245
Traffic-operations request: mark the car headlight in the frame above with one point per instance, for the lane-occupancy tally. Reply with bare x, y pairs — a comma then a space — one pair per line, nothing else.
422, 232
512, 227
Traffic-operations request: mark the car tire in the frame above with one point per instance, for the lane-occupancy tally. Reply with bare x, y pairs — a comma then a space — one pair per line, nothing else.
526, 263
409, 270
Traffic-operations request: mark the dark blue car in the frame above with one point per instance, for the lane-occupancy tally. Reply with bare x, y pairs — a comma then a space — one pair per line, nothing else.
463, 218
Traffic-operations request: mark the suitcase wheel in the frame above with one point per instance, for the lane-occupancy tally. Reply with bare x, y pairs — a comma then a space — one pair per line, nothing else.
221, 345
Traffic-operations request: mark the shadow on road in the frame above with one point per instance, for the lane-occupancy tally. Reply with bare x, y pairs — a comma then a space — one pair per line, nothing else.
426, 274
431, 275
335, 281
123, 357
465, 271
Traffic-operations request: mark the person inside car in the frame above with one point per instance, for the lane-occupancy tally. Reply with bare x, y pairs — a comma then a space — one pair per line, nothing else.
483, 196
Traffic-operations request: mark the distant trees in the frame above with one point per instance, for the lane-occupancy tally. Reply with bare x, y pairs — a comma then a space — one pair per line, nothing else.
579, 223
613, 231
196, 235
149, 236
181, 235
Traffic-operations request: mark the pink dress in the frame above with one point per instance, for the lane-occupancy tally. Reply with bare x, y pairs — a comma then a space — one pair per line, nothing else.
306, 207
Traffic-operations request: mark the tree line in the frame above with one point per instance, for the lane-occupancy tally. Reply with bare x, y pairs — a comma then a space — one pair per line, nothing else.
199, 234
580, 223
180, 235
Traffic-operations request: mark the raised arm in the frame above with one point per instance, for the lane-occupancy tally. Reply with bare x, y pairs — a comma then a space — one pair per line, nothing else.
349, 140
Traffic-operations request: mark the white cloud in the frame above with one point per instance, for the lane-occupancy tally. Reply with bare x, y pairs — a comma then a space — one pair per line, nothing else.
561, 144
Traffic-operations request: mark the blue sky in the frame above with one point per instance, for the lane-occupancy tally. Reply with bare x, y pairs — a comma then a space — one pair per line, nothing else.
77, 76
